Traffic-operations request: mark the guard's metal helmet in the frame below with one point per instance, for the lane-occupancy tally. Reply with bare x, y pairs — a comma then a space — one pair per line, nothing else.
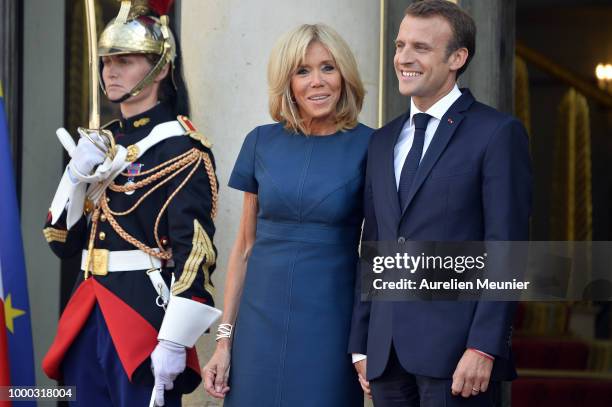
136, 31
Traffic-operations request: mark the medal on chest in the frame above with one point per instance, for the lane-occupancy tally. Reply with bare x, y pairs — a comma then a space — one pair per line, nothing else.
133, 170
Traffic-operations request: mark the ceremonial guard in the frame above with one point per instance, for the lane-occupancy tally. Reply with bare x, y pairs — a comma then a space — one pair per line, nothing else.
138, 199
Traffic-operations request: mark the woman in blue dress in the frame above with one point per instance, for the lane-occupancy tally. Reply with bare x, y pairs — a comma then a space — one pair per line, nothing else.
291, 272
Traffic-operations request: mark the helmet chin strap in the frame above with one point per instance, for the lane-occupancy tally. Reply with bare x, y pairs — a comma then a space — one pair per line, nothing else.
121, 99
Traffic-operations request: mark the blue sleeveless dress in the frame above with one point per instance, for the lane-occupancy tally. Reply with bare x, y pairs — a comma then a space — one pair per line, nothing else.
291, 334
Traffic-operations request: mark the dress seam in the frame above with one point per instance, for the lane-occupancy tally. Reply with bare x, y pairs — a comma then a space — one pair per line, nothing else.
266, 174
279, 394
330, 193
303, 180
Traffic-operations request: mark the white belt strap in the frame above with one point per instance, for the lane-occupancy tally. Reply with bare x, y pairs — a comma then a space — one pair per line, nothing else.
159, 133
128, 260
160, 286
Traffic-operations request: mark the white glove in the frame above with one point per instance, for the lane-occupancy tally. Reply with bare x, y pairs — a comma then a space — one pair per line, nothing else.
167, 361
78, 181
84, 158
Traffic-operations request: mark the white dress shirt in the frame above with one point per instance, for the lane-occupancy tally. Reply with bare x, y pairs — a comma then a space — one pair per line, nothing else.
404, 141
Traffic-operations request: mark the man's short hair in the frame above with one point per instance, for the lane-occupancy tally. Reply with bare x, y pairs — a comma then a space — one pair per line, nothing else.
461, 23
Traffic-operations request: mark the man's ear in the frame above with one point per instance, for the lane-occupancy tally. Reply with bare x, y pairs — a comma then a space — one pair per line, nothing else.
458, 58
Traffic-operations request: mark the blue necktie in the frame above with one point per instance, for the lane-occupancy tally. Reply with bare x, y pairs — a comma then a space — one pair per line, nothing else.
411, 164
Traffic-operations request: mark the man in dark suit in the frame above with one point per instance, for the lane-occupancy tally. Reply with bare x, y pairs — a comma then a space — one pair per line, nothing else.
449, 169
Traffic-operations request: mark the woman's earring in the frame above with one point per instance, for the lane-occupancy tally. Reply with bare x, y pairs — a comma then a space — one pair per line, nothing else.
290, 97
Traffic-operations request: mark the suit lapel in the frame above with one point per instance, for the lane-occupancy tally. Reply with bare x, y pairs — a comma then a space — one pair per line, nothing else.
446, 129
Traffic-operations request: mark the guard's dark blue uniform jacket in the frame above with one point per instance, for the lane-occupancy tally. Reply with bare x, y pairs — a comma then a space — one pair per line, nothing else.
127, 299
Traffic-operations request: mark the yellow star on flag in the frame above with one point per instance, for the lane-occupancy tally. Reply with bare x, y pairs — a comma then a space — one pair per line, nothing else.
11, 313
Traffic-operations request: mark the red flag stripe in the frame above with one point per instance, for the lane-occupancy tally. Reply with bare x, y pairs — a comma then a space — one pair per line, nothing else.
5, 371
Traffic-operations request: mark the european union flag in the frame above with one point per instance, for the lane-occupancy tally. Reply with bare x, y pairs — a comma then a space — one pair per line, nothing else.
13, 281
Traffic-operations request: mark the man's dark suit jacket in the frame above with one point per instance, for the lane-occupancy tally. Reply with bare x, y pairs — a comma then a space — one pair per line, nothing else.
473, 184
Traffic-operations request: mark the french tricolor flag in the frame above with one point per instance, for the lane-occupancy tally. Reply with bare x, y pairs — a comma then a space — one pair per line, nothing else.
16, 351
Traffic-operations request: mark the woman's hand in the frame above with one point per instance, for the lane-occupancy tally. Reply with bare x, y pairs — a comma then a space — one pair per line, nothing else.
216, 371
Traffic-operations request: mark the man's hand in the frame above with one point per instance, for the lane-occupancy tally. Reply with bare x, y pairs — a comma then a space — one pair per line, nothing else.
360, 367
167, 361
472, 374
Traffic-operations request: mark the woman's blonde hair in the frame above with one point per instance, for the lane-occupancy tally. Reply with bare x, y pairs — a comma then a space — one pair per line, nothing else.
289, 53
